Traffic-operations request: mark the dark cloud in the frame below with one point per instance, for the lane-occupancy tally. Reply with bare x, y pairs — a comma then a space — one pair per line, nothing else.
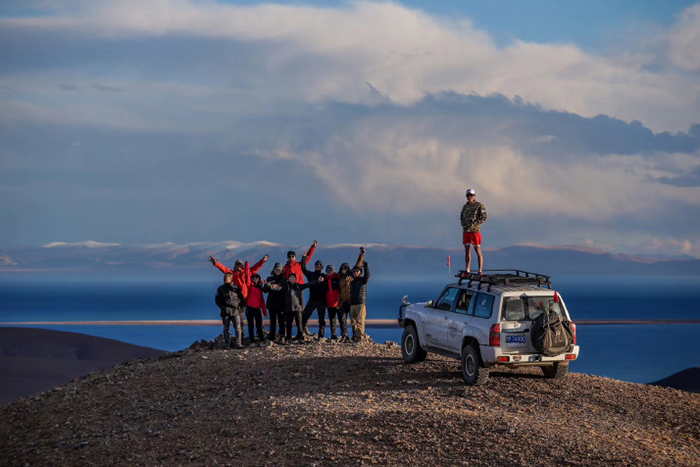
686, 180
102, 87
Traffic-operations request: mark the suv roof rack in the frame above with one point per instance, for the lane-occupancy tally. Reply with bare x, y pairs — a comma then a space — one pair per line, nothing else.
505, 277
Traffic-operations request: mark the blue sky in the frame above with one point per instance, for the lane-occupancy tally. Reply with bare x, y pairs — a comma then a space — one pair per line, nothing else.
178, 120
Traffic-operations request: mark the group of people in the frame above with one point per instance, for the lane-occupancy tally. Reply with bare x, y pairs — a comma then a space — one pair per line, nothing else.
342, 293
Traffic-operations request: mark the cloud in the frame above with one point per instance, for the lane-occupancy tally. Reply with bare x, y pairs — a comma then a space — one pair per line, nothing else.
363, 122
684, 40
280, 53
401, 159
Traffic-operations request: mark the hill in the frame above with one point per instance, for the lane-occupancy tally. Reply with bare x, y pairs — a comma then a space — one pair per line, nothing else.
34, 360
686, 380
324, 404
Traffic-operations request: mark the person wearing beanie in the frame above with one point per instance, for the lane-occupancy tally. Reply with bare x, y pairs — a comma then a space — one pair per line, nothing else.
344, 279
275, 300
358, 301
294, 307
317, 298
293, 266
239, 271
473, 215
229, 299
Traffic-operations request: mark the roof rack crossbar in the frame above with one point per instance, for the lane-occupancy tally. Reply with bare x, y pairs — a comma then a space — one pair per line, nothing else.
507, 277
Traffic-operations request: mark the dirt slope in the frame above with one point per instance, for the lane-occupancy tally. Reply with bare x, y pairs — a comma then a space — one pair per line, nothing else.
34, 360
323, 404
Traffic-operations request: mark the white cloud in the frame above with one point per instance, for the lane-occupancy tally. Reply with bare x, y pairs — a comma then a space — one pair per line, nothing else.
684, 40
314, 54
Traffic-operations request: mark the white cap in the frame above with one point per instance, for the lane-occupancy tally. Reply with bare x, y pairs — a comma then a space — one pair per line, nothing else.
471, 192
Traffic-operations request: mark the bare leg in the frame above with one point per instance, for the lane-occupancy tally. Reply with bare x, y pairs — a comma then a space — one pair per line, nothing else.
467, 256
480, 257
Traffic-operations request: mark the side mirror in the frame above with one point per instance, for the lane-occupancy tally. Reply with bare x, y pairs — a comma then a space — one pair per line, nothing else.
430, 303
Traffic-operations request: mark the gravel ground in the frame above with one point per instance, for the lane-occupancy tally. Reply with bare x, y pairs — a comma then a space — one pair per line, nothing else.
348, 404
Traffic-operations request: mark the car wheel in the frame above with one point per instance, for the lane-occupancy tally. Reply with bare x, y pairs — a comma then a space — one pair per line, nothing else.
410, 347
473, 370
556, 371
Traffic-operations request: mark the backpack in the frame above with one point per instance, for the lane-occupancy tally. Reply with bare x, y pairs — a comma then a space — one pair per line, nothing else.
551, 334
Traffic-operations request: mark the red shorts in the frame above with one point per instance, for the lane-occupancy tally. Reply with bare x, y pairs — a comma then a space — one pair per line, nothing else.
471, 238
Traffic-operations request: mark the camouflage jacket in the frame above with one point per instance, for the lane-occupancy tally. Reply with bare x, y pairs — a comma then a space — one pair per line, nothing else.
473, 215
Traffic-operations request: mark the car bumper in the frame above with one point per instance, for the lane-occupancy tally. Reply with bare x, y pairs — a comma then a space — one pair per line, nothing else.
490, 356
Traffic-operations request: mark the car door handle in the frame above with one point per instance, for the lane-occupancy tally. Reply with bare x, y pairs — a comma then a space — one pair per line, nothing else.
466, 322
446, 318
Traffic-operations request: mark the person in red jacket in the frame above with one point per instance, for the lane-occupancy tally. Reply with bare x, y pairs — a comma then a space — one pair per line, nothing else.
255, 307
332, 296
293, 266
239, 273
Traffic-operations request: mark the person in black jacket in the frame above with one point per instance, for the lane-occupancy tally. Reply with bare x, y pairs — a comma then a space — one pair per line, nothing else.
358, 302
317, 298
275, 300
294, 306
229, 299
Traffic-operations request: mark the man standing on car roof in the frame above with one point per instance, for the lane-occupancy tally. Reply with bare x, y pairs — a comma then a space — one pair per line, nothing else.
473, 215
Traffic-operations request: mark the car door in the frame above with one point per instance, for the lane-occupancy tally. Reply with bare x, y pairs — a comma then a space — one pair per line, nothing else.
459, 319
437, 317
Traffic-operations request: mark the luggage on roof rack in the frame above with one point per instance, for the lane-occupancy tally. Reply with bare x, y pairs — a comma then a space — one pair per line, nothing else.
505, 277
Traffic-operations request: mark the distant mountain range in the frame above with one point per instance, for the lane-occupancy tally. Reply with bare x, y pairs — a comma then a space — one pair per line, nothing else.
94, 259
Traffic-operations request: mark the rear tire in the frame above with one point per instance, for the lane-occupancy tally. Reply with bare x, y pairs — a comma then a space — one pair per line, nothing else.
556, 371
473, 370
410, 346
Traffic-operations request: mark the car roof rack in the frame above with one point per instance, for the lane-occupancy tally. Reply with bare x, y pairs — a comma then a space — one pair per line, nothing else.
504, 277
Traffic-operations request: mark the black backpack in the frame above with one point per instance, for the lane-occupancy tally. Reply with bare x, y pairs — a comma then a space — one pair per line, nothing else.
551, 334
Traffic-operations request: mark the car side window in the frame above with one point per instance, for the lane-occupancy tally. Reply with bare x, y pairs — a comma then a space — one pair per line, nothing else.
465, 300
483, 306
446, 299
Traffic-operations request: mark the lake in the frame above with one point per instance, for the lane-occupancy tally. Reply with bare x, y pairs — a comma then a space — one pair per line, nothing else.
636, 353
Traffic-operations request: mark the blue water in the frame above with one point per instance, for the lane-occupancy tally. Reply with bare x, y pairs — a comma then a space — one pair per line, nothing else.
637, 353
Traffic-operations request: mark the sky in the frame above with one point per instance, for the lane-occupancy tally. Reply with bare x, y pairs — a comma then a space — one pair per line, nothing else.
140, 122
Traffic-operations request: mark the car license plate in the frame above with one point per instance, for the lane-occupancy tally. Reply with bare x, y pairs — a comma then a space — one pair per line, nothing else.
515, 339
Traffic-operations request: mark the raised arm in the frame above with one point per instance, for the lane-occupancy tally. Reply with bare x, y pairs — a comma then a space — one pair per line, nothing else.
310, 252
361, 258
256, 267
220, 266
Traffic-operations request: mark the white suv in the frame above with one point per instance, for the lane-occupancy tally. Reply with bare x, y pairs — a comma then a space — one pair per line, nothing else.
490, 320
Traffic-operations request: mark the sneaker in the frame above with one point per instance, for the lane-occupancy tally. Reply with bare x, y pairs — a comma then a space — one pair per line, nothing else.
281, 341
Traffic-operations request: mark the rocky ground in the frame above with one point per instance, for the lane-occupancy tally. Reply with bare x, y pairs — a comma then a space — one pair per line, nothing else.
348, 404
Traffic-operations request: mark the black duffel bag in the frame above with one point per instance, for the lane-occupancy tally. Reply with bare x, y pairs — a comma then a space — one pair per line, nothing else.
551, 334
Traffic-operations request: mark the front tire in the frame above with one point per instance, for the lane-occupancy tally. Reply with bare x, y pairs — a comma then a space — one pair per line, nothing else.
410, 347
474, 372
556, 371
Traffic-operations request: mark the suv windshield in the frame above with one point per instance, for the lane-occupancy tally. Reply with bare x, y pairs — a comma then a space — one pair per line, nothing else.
528, 307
